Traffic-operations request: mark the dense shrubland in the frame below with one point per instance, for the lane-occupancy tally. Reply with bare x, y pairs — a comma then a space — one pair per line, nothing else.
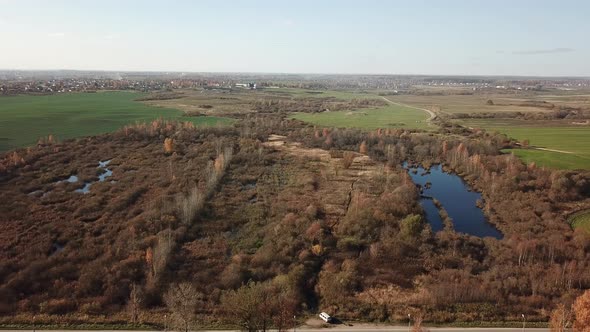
251, 230
540, 262
313, 105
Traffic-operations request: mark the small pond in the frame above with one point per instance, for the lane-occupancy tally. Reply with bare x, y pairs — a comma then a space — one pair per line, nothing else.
455, 197
71, 179
101, 178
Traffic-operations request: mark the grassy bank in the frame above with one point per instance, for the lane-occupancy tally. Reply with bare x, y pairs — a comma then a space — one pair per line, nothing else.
24, 119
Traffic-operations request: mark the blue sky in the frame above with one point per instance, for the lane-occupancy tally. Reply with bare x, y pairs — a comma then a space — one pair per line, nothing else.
542, 38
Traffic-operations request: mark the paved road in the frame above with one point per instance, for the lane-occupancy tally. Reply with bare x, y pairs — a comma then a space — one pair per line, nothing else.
430, 112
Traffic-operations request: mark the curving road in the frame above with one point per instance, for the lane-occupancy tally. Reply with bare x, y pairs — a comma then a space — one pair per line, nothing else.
431, 113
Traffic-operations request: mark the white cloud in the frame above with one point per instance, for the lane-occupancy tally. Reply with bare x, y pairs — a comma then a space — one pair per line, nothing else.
111, 36
56, 35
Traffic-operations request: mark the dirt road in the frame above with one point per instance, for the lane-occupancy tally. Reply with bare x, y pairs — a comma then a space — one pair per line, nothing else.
431, 113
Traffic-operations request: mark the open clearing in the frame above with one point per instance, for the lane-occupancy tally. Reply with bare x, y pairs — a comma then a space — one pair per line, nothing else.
24, 119
384, 117
581, 220
543, 134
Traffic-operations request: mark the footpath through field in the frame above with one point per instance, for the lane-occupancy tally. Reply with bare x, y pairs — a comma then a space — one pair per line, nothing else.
430, 112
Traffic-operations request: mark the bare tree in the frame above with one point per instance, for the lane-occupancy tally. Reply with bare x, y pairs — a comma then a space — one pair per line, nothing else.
190, 205
135, 299
182, 300
418, 325
161, 253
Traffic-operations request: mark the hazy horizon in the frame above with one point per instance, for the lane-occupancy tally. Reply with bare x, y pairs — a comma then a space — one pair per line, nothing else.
290, 73
457, 38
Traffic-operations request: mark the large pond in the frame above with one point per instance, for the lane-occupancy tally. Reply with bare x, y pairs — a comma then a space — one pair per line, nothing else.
455, 197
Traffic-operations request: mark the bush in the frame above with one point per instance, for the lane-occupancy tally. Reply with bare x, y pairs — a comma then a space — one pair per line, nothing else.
58, 306
92, 308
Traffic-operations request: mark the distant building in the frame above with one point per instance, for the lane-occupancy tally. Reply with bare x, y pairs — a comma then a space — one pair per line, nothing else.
251, 86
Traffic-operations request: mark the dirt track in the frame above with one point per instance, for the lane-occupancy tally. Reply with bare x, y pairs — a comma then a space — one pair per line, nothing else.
431, 113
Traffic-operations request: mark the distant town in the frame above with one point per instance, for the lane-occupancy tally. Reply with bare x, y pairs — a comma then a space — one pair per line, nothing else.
15, 82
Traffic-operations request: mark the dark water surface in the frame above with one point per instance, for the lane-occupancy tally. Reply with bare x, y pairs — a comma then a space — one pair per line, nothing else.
454, 195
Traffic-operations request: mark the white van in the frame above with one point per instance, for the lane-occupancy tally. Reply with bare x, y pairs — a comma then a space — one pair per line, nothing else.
325, 317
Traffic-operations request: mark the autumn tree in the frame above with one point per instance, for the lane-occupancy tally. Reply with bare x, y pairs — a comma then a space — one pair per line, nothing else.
560, 319
363, 148
260, 306
182, 300
168, 145
247, 307
411, 226
329, 141
582, 313
347, 159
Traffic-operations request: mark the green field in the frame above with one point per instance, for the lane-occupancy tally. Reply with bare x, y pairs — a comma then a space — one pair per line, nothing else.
306, 93
572, 139
383, 117
24, 119
581, 220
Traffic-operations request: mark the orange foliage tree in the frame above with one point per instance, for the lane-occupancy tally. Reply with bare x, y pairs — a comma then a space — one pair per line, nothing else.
168, 145
363, 148
560, 319
582, 312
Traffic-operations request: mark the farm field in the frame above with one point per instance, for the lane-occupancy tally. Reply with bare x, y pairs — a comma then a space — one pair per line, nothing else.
581, 220
573, 141
239, 101
81, 114
307, 93
453, 104
384, 117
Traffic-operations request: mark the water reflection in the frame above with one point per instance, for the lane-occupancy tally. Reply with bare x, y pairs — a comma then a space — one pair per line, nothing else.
455, 197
